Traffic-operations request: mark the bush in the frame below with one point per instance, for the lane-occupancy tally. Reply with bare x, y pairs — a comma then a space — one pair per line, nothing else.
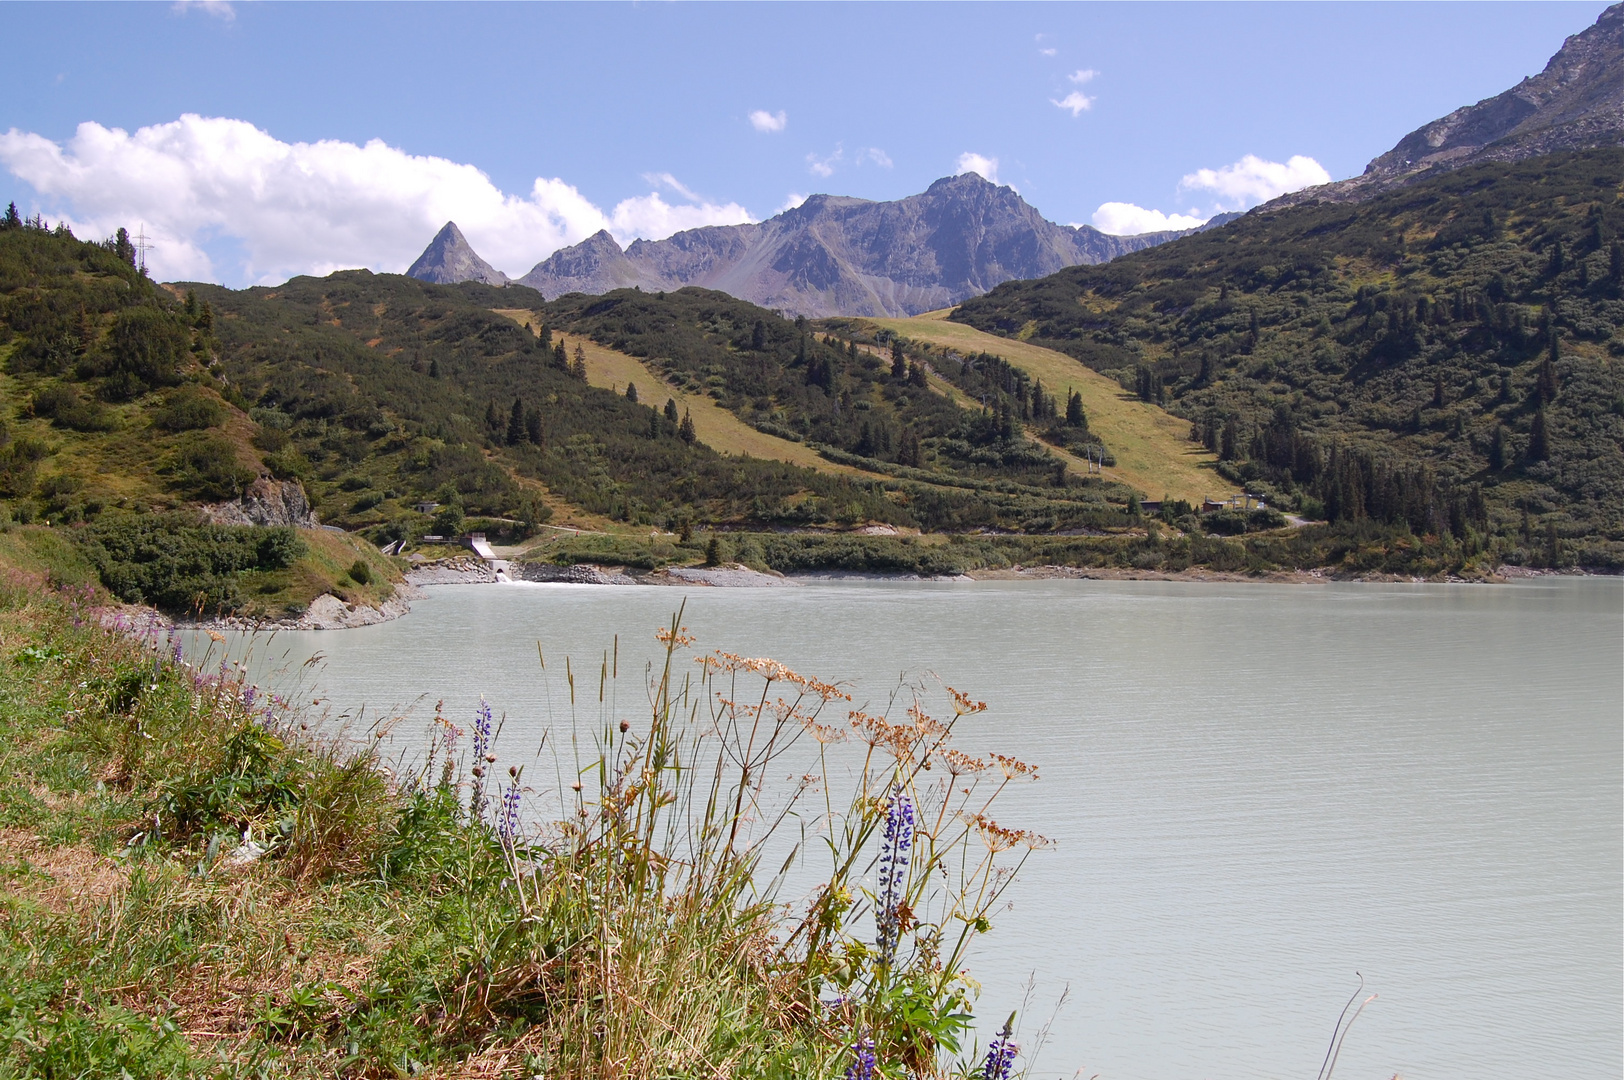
188, 410
63, 406
179, 563
360, 573
209, 468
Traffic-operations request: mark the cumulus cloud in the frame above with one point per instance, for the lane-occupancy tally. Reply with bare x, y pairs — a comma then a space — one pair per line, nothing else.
1240, 186
311, 208
1252, 180
878, 157
1075, 102
794, 199
1082, 75
970, 162
1126, 219
762, 120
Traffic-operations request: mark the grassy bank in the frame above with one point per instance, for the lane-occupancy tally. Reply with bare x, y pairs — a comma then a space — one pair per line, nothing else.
195, 882
1153, 545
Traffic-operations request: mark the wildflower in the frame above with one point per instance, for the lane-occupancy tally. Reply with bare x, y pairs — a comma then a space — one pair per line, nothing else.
896, 840
862, 1061
482, 744
507, 819
1001, 1054
248, 696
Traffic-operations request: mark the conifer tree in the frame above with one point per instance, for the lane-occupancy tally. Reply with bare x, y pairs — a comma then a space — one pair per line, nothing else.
434, 368
1539, 440
1074, 410
653, 424
532, 427
899, 363
631, 392
1499, 450
515, 427
493, 418
561, 356
12, 220
685, 430
671, 409
579, 368
758, 336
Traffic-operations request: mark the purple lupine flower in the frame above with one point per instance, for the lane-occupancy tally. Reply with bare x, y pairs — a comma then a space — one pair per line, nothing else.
894, 844
507, 820
862, 1060
482, 746
482, 729
248, 695
1001, 1054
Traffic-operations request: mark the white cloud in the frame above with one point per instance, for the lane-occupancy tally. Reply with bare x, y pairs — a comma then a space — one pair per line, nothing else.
1076, 101
1082, 75
794, 199
296, 208
986, 167
1047, 52
762, 120
220, 9
825, 166
878, 157
1126, 219
1251, 180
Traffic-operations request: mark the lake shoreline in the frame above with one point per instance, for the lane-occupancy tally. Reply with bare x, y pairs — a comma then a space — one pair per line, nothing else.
332, 613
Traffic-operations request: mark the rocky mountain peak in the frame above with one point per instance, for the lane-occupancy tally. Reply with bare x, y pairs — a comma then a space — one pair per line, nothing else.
838, 255
1576, 103
450, 258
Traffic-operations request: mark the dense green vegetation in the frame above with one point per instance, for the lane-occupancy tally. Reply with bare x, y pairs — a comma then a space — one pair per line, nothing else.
1444, 359
195, 881
788, 380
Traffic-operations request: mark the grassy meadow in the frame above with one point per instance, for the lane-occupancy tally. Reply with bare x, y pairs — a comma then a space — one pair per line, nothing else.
1152, 448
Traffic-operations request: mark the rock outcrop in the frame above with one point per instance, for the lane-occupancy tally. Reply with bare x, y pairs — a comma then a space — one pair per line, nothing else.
449, 258
1576, 103
835, 255
267, 502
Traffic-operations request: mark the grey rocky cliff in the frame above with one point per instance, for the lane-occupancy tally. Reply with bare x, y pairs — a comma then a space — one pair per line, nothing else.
267, 503
449, 258
835, 255
1576, 103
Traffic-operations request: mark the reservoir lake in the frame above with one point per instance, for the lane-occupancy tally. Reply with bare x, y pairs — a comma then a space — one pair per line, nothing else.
1255, 790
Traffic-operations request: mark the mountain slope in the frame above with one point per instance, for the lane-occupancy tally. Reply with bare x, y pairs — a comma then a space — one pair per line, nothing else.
838, 255
450, 259
1449, 355
1576, 103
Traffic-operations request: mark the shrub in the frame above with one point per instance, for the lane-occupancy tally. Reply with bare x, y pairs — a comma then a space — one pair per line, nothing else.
179, 563
188, 410
208, 467
360, 573
62, 405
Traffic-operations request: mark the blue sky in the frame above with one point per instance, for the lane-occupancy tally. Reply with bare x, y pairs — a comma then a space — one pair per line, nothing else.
638, 117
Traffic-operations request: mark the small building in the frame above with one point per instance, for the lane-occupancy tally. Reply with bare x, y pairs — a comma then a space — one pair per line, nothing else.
426, 507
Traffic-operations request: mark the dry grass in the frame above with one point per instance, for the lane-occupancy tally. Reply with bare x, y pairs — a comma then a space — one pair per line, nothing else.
1152, 448
716, 427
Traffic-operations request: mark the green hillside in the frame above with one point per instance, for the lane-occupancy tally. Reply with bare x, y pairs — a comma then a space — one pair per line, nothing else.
1444, 359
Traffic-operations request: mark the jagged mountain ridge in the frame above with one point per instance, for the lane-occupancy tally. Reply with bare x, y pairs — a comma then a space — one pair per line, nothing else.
1576, 103
840, 255
450, 258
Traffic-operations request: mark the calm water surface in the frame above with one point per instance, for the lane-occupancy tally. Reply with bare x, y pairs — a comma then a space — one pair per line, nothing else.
1256, 791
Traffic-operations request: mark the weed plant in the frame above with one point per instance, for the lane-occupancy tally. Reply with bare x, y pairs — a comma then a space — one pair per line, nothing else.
198, 881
